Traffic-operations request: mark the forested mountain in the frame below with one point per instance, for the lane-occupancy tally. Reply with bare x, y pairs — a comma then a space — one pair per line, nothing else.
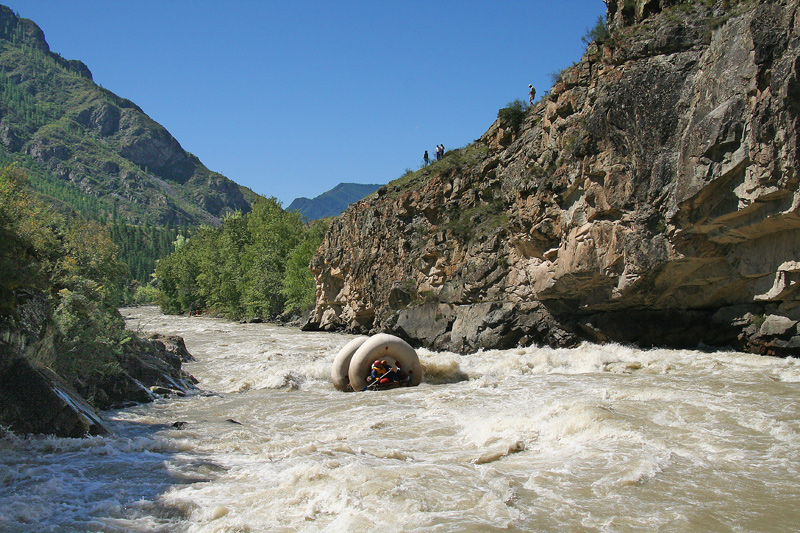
97, 156
332, 202
89, 150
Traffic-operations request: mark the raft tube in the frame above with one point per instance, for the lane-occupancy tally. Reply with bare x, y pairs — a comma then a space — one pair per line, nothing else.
341, 363
384, 346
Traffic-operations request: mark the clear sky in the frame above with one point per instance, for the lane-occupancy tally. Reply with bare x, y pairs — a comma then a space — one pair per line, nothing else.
293, 97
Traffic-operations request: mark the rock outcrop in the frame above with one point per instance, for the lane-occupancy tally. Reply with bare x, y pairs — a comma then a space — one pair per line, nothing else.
650, 197
149, 368
35, 399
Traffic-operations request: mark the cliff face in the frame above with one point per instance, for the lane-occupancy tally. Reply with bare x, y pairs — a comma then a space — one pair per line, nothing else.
650, 197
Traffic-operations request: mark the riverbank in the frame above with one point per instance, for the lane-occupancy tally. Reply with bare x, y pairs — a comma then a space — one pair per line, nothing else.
36, 400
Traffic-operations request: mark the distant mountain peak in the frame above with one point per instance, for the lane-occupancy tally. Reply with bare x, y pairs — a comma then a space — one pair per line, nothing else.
27, 32
333, 202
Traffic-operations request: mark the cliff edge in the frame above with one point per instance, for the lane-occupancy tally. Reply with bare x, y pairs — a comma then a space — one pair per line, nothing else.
651, 197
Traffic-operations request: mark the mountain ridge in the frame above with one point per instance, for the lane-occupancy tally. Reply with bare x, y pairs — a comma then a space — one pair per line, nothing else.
332, 202
93, 150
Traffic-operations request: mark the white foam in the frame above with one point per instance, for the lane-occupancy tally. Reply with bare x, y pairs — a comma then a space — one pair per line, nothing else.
599, 437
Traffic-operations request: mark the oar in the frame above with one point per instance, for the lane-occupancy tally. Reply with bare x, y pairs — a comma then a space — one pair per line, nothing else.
377, 380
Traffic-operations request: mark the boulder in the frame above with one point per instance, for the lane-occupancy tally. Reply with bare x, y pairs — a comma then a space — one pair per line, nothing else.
37, 401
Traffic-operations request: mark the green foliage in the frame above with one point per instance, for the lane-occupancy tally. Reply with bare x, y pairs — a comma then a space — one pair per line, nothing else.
513, 114
177, 273
298, 283
144, 295
74, 263
253, 266
90, 254
599, 34
26, 240
91, 334
140, 247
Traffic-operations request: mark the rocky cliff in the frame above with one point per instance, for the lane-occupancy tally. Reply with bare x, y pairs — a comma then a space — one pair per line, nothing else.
650, 197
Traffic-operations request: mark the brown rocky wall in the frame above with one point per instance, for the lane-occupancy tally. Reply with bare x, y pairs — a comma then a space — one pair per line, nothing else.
650, 198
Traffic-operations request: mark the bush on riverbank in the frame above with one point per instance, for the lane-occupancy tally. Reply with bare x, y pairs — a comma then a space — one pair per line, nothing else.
254, 266
60, 286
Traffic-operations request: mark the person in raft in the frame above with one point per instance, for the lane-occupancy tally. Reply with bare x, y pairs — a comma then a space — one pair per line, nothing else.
399, 374
384, 373
380, 370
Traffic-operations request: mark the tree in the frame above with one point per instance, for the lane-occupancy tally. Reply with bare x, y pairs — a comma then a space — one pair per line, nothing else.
73, 264
299, 287
599, 34
512, 115
253, 266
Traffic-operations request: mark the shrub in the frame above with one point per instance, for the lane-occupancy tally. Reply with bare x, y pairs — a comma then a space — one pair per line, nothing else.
512, 115
555, 76
599, 34
299, 286
145, 295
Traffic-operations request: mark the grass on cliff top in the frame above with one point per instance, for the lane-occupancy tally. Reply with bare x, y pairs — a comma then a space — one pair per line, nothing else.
453, 161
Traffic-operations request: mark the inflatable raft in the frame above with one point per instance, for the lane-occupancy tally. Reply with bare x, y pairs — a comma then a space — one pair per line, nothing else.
353, 364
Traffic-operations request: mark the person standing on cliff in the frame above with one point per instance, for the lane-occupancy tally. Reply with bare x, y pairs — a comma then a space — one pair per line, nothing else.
531, 94
425, 158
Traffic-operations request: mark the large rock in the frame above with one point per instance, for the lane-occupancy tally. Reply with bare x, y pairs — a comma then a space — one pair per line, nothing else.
103, 117
148, 368
649, 198
36, 401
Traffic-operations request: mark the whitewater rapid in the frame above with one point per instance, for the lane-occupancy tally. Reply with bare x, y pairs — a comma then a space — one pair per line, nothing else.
597, 438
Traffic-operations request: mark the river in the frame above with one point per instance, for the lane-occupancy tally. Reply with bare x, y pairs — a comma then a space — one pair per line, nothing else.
596, 438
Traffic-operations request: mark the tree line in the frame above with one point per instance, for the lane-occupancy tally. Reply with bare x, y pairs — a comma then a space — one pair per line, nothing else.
254, 266
140, 247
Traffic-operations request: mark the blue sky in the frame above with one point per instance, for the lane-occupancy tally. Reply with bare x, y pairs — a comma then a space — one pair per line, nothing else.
291, 98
